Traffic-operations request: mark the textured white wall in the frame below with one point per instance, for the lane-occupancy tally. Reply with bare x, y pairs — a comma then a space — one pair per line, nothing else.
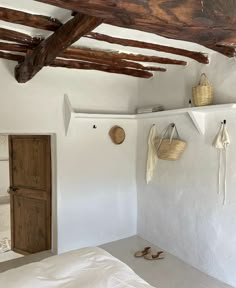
4, 165
181, 210
5, 221
96, 196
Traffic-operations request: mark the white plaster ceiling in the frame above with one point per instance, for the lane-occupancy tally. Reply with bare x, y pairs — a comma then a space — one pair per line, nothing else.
63, 15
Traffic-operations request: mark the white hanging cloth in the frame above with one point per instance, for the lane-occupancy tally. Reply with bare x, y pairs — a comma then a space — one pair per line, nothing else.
221, 142
151, 156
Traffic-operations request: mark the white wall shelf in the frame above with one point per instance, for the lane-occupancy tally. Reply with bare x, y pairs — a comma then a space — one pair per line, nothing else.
70, 114
196, 114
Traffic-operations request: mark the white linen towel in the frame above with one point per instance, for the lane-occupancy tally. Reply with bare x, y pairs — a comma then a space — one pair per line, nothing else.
221, 142
152, 155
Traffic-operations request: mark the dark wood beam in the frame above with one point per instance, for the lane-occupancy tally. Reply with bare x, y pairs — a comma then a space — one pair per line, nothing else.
6, 34
10, 56
49, 49
14, 36
76, 52
12, 47
109, 60
27, 19
52, 24
200, 57
204, 22
105, 68
84, 66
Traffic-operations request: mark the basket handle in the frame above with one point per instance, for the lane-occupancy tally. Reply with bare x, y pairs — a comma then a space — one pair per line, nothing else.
171, 129
204, 80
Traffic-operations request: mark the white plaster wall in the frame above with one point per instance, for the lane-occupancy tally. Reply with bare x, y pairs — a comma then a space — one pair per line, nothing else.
4, 177
4, 184
96, 196
5, 221
4, 165
180, 210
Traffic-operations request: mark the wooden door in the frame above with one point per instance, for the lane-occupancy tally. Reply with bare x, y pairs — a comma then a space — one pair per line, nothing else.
30, 191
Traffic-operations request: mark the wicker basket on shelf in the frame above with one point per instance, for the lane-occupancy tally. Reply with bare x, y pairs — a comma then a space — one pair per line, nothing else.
203, 92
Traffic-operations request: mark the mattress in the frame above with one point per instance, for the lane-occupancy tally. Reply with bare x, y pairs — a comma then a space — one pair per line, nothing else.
83, 268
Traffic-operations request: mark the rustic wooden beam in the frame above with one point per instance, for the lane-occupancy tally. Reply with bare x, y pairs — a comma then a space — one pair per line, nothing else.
14, 36
52, 24
105, 68
84, 66
204, 22
10, 56
27, 19
200, 57
12, 47
9, 35
77, 52
49, 49
108, 60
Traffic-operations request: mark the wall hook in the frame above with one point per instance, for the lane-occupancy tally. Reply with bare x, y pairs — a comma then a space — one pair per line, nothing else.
94, 126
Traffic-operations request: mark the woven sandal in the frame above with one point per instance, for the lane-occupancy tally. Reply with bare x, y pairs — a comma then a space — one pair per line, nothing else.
157, 256
144, 252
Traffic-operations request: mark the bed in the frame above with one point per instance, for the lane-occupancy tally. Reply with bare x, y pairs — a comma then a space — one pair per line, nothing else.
83, 268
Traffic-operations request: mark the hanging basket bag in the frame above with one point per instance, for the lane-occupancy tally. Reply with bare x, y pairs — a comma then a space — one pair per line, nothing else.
170, 148
203, 92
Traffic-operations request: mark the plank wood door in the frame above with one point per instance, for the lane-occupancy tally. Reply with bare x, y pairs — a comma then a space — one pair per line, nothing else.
30, 193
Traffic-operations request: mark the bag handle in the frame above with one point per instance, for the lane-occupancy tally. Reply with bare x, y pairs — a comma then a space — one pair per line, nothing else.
170, 130
173, 131
204, 80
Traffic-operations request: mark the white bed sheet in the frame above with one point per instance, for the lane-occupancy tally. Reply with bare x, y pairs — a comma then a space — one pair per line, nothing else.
83, 268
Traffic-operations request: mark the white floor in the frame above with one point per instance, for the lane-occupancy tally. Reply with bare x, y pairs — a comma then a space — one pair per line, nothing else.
9, 255
6, 256
11, 264
168, 273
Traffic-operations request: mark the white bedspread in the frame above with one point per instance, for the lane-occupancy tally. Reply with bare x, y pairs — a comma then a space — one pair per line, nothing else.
84, 268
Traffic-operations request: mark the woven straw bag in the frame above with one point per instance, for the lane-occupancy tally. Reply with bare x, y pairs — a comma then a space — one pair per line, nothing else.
170, 148
203, 92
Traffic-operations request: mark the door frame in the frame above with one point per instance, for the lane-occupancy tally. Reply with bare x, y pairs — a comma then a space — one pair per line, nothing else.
54, 227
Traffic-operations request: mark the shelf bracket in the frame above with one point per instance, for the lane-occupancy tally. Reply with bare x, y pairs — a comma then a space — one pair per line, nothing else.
198, 119
68, 111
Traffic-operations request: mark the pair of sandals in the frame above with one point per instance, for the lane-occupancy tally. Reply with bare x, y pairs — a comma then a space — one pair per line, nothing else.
147, 254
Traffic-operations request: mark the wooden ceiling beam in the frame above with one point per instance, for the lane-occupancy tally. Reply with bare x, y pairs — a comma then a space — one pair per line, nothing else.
50, 48
11, 47
76, 52
52, 24
108, 60
14, 36
198, 56
73, 64
105, 68
204, 22
10, 56
27, 19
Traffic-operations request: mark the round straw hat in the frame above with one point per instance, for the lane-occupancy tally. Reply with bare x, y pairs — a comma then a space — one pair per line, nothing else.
117, 135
